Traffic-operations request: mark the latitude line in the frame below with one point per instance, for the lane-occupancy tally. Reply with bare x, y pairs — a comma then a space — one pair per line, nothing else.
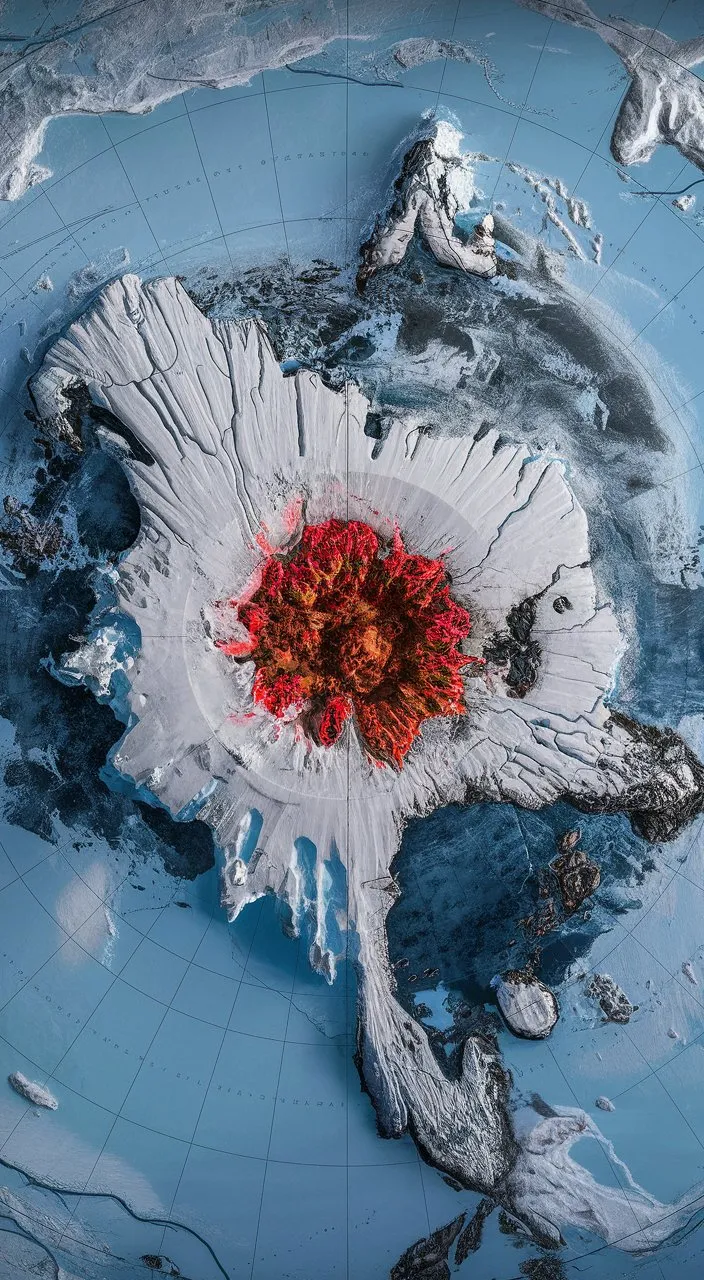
520, 116
276, 177
118, 1115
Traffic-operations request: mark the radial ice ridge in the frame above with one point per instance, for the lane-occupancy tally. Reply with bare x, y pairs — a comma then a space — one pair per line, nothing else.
234, 458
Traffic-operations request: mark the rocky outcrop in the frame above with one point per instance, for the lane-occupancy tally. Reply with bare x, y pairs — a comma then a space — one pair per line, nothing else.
434, 186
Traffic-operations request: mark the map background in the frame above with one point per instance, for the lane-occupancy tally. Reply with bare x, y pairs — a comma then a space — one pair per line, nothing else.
142, 1035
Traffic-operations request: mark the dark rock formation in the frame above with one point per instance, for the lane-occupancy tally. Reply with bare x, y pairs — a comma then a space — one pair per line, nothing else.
471, 1237
427, 1259
548, 1267
613, 1001
514, 648
671, 797
28, 540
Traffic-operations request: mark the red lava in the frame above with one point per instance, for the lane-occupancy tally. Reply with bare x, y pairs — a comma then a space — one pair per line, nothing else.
346, 625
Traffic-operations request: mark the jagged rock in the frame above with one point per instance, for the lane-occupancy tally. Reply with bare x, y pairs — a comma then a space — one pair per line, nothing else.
516, 649
29, 541
435, 184
157, 1262
669, 798
576, 874
471, 1236
613, 1001
427, 1258
546, 1268
542, 921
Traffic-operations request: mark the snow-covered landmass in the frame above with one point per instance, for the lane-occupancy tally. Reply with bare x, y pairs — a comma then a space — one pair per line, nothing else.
529, 1007
665, 102
550, 191
549, 1187
33, 1092
95, 662
614, 1002
241, 456
435, 185
142, 55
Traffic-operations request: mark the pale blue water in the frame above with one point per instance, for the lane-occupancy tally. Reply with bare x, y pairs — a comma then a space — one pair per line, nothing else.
203, 1073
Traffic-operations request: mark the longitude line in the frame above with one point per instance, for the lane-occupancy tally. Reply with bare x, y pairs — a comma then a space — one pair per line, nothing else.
51, 1075
520, 114
675, 1104
301, 943
653, 206
444, 67
212, 1074
614, 1168
276, 176
118, 1114
200, 158
610, 122
145, 215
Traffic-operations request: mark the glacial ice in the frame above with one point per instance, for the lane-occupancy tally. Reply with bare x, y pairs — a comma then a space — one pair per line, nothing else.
239, 452
528, 1006
548, 1188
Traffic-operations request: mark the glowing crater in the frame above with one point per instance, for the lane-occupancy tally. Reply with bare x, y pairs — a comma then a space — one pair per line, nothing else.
346, 626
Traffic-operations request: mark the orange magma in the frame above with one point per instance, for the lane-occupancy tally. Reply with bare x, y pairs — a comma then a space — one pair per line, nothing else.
344, 625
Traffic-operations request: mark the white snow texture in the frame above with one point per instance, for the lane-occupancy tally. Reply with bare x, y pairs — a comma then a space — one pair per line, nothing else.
236, 448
